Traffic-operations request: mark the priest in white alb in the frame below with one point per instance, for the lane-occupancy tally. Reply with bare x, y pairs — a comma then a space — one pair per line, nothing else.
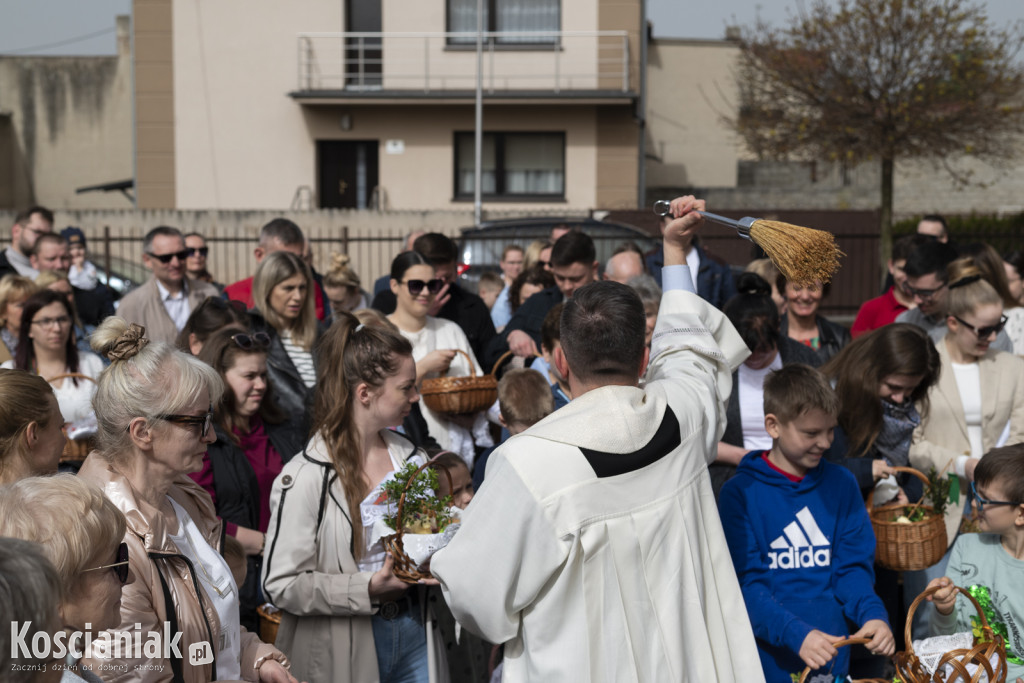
594, 549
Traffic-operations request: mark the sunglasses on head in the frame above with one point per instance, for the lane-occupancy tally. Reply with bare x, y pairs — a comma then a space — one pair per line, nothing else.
167, 258
197, 251
249, 341
416, 286
984, 332
120, 567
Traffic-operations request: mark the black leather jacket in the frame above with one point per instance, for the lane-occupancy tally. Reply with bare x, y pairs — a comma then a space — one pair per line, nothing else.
293, 397
832, 337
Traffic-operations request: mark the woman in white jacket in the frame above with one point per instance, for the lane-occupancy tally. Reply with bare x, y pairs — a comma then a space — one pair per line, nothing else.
345, 615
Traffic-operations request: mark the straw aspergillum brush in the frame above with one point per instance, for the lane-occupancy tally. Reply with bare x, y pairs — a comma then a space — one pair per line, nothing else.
802, 255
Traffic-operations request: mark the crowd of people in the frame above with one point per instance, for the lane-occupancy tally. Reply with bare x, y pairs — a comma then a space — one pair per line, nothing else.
674, 482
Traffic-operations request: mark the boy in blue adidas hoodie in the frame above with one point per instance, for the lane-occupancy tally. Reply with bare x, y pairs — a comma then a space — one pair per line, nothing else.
801, 539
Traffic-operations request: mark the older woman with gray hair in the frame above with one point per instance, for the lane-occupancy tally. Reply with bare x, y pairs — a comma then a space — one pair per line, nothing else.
81, 532
154, 411
29, 591
646, 287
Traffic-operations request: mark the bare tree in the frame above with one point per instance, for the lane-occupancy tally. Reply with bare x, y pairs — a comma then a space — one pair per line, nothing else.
862, 80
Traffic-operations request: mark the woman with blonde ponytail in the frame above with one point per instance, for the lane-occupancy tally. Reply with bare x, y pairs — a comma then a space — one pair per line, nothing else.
978, 402
345, 615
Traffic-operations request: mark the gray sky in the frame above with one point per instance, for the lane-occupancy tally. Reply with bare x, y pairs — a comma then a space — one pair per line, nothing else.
82, 27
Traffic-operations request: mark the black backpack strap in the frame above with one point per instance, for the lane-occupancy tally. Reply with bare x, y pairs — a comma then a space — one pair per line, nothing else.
172, 620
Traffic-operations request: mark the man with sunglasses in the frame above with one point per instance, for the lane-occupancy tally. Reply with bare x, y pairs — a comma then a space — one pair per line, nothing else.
162, 305
28, 226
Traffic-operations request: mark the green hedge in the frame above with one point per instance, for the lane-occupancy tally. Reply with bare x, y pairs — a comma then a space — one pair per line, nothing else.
1005, 233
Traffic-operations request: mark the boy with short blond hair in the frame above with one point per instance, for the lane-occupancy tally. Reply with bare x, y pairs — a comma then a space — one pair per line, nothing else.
800, 538
524, 399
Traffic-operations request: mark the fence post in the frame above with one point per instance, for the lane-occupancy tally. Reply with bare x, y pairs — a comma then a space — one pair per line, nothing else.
344, 239
106, 251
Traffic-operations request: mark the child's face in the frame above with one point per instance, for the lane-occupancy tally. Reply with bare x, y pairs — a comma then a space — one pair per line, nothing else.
798, 445
462, 486
489, 294
549, 358
998, 519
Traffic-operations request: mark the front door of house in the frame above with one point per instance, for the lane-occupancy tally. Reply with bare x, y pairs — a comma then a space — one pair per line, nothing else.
346, 173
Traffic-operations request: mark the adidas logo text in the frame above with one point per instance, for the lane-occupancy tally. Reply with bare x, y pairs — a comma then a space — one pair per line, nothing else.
802, 544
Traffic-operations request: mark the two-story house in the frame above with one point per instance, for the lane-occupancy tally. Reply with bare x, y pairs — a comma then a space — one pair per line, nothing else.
367, 103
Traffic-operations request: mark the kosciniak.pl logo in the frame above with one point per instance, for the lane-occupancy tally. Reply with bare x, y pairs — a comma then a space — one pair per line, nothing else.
135, 643
802, 544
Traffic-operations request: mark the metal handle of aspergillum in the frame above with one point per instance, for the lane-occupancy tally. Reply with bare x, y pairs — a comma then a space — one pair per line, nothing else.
663, 208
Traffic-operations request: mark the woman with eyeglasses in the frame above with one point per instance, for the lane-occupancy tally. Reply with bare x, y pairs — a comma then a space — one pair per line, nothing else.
284, 308
46, 347
253, 442
978, 402
14, 291
435, 343
31, 427
154, 409
81, 532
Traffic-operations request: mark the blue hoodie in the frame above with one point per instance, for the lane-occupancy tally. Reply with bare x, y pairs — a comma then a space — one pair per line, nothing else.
804, 554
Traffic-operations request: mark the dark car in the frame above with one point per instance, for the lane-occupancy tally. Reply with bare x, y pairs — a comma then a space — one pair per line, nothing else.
481, 245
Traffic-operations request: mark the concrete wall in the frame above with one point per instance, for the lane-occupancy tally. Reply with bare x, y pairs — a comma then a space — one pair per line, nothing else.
154, 104
65, 123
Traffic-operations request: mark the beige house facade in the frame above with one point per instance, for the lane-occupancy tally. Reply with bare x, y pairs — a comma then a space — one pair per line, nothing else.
258, 104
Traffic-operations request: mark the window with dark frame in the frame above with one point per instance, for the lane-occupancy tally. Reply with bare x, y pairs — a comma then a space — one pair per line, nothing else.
513, 165
512, 16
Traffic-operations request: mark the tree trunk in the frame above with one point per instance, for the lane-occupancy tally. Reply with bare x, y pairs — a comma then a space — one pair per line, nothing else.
885, 243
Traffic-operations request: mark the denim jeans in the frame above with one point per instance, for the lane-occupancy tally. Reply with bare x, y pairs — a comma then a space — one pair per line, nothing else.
401, 648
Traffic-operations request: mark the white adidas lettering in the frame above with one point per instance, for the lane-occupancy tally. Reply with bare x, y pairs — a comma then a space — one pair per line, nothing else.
802, 544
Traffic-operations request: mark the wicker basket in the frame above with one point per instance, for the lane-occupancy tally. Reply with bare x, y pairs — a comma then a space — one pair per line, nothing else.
909, 668
458, 395
75, 451
907, 547
842, 643
270, 620
404, 567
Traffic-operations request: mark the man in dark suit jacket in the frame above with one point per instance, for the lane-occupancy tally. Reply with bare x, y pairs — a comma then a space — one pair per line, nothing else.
465, 309
574, 264
50, 252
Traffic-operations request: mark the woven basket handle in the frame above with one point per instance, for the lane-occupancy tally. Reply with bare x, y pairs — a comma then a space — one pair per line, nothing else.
75, 375
930, 591
497, 363
908, 470
472, 368
840, 643
400, 531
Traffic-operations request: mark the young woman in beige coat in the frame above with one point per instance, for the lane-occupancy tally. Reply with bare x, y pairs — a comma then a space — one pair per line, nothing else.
345, 615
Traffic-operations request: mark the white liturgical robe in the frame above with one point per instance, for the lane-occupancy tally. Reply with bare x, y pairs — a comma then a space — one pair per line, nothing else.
594, 549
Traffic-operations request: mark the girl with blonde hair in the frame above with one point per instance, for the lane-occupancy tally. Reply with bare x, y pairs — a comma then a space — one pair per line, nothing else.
14, 291
342, 286
31, 434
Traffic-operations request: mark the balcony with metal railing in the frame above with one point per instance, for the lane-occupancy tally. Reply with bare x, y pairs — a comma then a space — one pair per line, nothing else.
516, 66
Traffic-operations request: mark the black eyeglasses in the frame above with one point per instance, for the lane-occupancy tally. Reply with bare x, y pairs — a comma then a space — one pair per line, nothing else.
924, 294
982, 502
197, 251
204, 420
121, 566
416, 286
167, 258
984, 332
248, 341
543, 264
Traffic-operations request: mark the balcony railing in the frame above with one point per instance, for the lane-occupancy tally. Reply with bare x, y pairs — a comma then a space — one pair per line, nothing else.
526, 61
